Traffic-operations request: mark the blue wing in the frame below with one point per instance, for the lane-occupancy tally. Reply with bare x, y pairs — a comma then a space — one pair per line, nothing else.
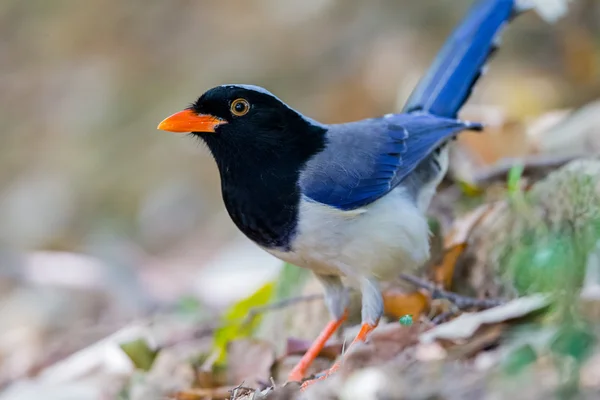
449, 81
365, 160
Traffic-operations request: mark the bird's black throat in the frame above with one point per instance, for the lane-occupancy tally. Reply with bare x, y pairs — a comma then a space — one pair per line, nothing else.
259, 177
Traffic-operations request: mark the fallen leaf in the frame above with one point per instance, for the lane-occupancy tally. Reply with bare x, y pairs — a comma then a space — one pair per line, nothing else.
444, 272
483, 338
462, 227
397, 304
250, 361
464, 326
235, 324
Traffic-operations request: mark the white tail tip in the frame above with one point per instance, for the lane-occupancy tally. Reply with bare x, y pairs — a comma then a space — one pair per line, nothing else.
549, 10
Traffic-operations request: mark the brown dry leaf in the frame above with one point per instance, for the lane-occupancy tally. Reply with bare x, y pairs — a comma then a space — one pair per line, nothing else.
464, 326
444, 271
455, 244
463, 226
483, 338
250, 361
397, 303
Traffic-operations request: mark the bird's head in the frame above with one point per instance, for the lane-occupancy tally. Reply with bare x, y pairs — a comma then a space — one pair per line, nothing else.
242, 118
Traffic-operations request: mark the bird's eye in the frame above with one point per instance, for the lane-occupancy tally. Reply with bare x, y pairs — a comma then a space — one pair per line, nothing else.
240, 107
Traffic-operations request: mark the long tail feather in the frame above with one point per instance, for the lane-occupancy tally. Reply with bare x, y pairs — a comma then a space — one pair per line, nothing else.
459, 64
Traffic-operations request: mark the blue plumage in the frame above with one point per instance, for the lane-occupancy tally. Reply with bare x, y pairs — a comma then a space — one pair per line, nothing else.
389, 149
393, 146
448, 83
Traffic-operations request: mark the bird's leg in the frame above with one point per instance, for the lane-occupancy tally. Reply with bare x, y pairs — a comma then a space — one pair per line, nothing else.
336, 299
365, 329
300, 369
372, 310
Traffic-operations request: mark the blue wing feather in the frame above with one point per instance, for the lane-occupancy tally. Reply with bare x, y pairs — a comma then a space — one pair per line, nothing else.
367, 159
392, 147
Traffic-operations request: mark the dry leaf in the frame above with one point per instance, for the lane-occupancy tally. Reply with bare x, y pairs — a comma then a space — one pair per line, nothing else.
463, 226
250, 361
396, 303
483, 338
444, 272
467, 324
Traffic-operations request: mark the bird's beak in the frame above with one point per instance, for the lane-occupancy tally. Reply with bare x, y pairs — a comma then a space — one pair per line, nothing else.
189, 121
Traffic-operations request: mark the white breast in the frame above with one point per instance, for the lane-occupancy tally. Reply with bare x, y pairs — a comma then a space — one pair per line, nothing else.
383, 239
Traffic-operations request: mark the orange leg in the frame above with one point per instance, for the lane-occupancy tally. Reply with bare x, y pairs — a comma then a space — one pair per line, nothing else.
299, 370
365, 329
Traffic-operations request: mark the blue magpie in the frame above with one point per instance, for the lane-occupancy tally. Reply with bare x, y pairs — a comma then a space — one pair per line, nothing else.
347, 201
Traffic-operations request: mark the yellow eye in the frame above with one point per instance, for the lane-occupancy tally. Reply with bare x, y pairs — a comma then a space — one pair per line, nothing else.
240, 107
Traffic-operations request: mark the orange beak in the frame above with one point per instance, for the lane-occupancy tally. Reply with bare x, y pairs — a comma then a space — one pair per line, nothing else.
189, 121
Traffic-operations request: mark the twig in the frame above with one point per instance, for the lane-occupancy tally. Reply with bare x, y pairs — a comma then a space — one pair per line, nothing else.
459, 301
443, 317
236, 391
280, 304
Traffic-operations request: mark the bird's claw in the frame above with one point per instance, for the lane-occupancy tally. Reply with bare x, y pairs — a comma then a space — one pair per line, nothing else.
321, 376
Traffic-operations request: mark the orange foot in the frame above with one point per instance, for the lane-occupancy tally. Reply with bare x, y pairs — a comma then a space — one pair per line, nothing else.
365, 329
299, 370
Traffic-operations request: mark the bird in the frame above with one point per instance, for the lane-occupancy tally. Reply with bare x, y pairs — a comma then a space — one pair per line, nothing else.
347, 201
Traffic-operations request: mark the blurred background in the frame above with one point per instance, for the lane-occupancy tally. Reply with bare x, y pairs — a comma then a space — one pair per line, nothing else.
103, 218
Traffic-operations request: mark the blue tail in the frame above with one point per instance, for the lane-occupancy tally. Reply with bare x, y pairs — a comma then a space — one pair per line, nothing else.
457, 67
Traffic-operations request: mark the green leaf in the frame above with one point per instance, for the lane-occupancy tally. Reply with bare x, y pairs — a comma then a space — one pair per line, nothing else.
235, 323
140, 353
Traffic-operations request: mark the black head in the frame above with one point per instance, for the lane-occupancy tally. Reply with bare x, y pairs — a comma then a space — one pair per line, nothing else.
261, 146
243, 118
